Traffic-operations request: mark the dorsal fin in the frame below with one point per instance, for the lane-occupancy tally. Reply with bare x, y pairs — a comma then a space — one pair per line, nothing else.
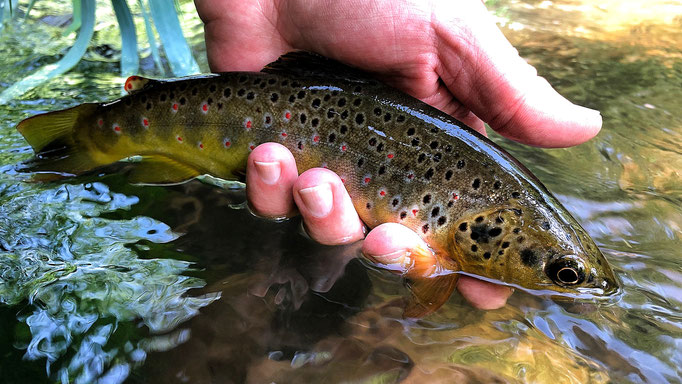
137, 83
307, 64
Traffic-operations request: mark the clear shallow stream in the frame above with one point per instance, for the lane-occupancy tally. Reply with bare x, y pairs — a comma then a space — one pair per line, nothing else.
100, 279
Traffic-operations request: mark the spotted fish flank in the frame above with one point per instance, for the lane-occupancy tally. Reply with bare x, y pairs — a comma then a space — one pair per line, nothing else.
401, 160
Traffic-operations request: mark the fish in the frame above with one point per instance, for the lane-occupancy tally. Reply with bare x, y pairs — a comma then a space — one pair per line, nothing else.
481, 212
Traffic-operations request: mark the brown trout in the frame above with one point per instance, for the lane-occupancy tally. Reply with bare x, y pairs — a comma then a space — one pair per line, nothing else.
478, 208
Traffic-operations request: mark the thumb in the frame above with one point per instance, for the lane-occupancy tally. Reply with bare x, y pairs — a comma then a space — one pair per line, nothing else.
486, 74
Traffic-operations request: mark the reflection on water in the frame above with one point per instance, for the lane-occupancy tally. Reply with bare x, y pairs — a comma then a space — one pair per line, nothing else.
101, 279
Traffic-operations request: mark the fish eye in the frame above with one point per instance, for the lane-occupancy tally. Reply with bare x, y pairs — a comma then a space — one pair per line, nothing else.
566, 271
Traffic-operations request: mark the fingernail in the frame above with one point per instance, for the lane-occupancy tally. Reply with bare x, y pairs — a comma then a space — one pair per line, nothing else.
268, 172
318, 200
397, 261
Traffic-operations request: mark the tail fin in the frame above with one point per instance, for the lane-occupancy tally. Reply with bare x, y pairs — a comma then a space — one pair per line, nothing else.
54, 141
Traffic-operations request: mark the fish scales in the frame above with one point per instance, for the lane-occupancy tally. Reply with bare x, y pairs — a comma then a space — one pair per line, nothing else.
401, 161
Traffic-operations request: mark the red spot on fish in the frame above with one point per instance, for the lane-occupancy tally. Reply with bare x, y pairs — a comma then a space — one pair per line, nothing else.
390, 155
129, 86
382, 193
343, 181
414, 212
201, 146
410, 176
343, 148
287, 115
316, 139
248, 124
367, 180
227, 143
100, 122
455, 196
204, 107
145, 122
179, 139
252, 147
175, 106
284, 134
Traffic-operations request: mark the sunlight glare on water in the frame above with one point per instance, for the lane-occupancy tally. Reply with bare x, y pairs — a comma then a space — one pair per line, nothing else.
102, 279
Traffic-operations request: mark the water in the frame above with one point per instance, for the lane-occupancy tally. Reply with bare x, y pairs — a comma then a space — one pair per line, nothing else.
101, 279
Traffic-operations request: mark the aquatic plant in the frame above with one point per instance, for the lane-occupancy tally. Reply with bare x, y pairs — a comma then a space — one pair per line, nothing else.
155, 13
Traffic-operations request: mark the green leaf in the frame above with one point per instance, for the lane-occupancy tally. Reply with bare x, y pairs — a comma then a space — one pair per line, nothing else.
76, 23
130, 62
174, 44
150, 37
29, 8
72, 57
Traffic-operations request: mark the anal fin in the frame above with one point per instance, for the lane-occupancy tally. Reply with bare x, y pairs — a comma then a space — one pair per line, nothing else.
162, 170
429, 294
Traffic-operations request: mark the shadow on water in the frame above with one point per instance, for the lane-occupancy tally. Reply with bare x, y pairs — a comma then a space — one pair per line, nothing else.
102, 279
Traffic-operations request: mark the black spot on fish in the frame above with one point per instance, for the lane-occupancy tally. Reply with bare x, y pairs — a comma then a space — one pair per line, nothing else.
400, 118
474, 248
448, 148
410, 131
387, 118
441, 220
486, 255
505, 245
241, 92
274, 97
341, 102
369, 205
436, 158
428, 174
149, 106
357, 102
479, 219
327, 97
256, 81
382, 170
250, 96
361, 162
497, 184
380, 147
332, 137
545, 225
343, 129
344, 115
212, 88
268, 119
209, 101
520, 239
499, 220
182, 101
301, 94
495, 232
285, 83
220, 106
359, 118
372, 141
515, 195
395, 202
517, 230
421, 158
448, 174
262, 85
476, 184
303, 118
316, 103
292, 98
479, 233
377, 111
433, 145
315, 122
403, 215
463, 227
500, 252
300, 145
272, 81
415, 142
461, 164
242, 79
435, 211
227, 92
517, 211
426, 199
528, 257
331, 113
194, 91
425, 228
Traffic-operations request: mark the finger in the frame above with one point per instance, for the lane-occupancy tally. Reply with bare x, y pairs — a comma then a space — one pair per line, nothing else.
270, 174
485, 73
328, 212
397, 248
482, 294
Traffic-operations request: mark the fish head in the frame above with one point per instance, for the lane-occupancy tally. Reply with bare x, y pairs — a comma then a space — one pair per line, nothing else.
532, 247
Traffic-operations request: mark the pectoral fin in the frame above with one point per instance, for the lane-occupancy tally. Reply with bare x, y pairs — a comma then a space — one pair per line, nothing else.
429, 294
162, 170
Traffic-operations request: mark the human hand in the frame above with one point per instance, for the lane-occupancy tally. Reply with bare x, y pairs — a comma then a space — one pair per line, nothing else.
448, 54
